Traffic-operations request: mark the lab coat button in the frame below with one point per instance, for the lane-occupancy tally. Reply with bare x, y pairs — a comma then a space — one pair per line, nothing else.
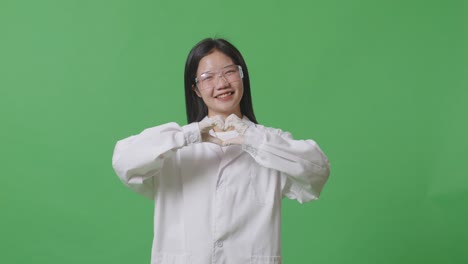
219, 244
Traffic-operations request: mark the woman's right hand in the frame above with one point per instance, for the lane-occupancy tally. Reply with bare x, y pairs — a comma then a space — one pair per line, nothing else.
206, 125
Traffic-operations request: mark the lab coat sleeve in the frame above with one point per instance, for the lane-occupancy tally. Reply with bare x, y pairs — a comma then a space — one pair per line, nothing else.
302, 161
139, 158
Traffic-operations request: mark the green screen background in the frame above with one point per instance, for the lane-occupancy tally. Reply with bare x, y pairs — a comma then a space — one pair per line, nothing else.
380, 85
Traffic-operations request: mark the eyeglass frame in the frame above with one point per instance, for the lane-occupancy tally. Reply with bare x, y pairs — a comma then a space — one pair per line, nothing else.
241, 74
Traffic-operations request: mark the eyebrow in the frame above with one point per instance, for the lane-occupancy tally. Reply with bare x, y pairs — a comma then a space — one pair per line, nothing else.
221, 68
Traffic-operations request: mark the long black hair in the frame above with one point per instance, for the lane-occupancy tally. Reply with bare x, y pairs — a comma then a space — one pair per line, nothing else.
195, 107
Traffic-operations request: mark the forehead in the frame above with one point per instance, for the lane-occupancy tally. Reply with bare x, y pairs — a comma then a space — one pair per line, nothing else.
213, 62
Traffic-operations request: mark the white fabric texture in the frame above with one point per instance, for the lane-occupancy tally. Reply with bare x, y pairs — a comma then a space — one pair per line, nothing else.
215, 206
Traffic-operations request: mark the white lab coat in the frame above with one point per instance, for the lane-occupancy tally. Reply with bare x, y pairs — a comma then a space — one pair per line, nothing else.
214, 205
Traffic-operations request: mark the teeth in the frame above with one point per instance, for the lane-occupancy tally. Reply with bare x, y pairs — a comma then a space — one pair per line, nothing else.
223, 95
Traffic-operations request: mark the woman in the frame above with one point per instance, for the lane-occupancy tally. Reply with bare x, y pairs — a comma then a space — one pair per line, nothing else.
218, 182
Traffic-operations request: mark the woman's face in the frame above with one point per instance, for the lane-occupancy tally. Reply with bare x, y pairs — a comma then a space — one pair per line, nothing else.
221, 96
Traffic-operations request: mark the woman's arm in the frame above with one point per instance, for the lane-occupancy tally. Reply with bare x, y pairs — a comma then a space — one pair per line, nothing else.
137, 159
302, 161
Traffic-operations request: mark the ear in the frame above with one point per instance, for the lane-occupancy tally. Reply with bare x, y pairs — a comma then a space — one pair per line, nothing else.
195, 89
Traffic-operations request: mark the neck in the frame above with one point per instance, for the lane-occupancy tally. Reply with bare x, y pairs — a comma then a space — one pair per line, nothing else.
220, 130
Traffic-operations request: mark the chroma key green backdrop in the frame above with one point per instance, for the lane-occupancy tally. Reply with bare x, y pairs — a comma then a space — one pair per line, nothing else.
380, 85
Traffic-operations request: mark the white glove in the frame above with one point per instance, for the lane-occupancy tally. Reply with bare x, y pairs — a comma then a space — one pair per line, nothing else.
233, 121
206, 125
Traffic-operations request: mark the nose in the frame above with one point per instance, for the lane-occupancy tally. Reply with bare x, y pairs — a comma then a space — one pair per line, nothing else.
221, 82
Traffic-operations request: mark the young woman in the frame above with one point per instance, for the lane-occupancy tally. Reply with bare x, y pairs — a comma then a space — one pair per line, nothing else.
218, 181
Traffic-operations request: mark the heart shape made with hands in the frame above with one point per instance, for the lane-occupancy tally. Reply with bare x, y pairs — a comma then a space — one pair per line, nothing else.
231, 122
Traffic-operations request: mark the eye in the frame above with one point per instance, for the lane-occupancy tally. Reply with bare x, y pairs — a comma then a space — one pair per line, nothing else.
206, 77
229, 72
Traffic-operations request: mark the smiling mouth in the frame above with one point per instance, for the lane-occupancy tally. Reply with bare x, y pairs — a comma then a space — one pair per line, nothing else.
224, 95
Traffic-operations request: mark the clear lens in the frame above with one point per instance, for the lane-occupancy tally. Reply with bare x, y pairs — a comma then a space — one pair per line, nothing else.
231, 73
